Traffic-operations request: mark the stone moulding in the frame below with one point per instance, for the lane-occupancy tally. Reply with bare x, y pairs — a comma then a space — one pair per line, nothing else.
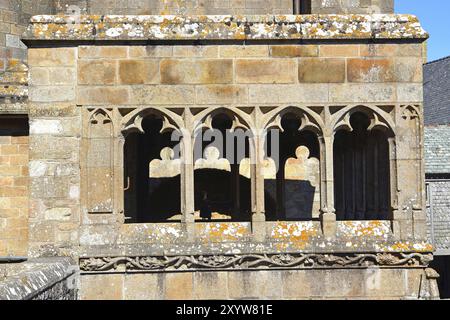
254, 262
224, 27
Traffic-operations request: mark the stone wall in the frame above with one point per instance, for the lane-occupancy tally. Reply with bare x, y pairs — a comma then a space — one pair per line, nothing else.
85, 98
190, 7
14, 186
370, 283
214, 7
14, 18
439, 204
352, 6
74, 87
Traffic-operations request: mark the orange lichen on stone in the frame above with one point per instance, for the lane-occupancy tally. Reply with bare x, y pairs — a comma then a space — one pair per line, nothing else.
222, 27
218, 232
369, 229
294, 232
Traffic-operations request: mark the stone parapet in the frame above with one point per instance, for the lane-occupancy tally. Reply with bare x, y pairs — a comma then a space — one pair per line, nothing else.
39, 279
221, 27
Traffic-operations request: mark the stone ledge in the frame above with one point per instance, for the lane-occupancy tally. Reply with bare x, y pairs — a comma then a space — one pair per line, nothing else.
37, 278
221, 27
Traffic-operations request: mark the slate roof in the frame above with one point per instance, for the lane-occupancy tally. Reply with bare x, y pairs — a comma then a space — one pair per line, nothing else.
437, 92
437, 149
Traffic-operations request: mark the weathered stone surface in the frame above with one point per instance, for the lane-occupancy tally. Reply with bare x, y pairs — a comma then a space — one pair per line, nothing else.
228, 27
94, 52
294, 51
218, 94
265, 71
362, 93
250, 51
321, 70
102, 95
340, 50
371, 70
102, 287
138, 72
97, 72
310, 93
196, 72
162, 94
96, 107
40, 279
51, 57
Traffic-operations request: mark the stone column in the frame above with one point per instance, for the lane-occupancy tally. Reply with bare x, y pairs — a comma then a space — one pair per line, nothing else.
328, 212
257, 181
187, 179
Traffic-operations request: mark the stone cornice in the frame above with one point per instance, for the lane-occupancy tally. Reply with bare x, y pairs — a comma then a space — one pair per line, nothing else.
219, 28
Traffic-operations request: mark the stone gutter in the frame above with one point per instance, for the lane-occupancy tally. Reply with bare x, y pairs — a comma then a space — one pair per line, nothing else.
225, 27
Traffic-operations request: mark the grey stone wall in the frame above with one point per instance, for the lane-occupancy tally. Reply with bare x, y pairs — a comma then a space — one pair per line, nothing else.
438, 213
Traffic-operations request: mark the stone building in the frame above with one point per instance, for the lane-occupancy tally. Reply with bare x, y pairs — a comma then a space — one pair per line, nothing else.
111, 157
437, 160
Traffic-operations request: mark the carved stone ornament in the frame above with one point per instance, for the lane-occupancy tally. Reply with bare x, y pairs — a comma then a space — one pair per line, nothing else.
255, 261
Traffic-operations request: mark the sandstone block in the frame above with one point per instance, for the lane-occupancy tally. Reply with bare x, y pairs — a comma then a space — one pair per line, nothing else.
102, 287
318, 70
196, 72
150, 51
161, 94
370, 70
212, 94
138, 71
310, 93
244, 51
409, 70
359, 93
144, 286
196, 51
266, 71
179, 286
97, 72
294, 51
52, 57
344, 50
52, 93
102, 95
410, 92
210, 285
93, 52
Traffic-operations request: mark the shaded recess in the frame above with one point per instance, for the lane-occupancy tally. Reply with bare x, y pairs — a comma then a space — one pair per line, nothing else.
221, 186
152, 191
292, 188
361, 172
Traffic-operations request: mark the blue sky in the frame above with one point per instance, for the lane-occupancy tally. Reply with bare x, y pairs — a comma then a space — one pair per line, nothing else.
435, 17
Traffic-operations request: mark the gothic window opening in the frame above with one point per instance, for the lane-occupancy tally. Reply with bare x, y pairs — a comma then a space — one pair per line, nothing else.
222, 172
152, 174
292, 172
361, 172
302, 6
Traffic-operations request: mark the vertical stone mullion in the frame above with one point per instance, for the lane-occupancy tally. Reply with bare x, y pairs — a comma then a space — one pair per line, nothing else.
257, 181
328, 213
187, 177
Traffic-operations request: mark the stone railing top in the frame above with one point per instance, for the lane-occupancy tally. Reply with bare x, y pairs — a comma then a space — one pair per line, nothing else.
262, 27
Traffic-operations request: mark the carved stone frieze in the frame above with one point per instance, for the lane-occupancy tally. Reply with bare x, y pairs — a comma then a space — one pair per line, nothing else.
254, 261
